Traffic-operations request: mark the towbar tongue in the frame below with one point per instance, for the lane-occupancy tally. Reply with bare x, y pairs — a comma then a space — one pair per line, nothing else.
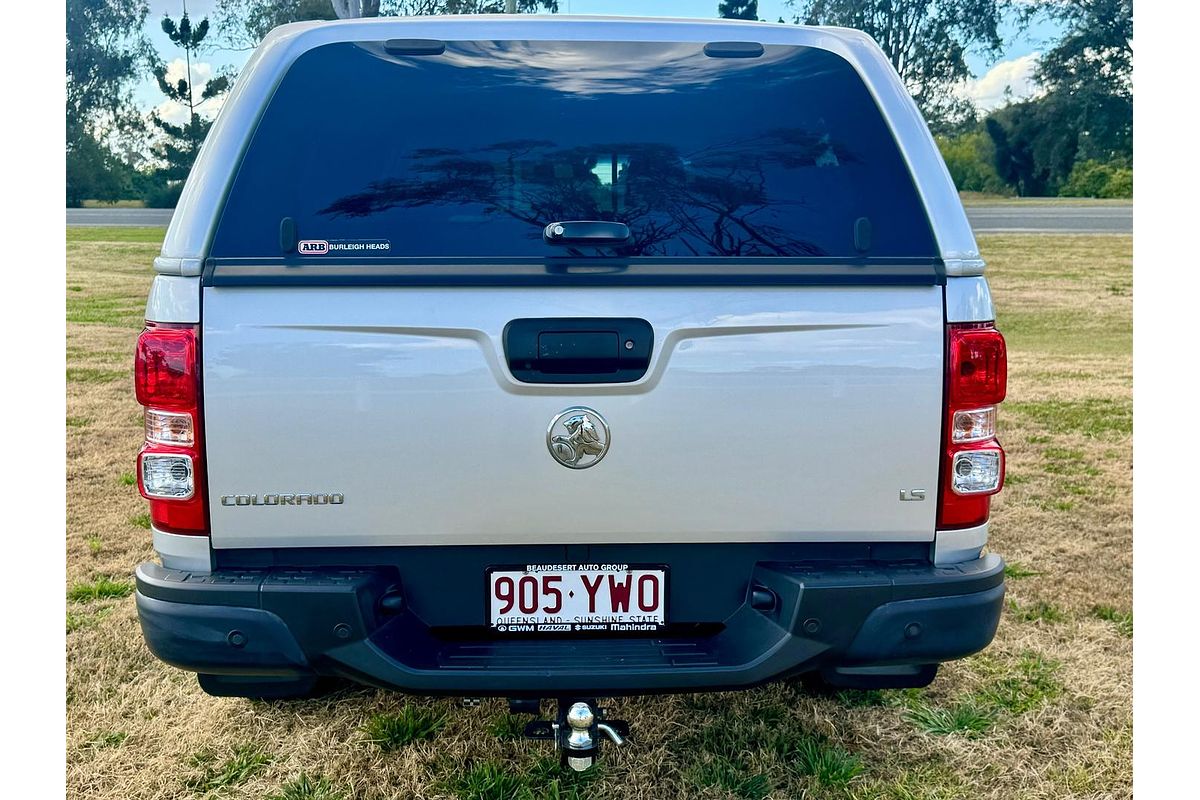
577, 731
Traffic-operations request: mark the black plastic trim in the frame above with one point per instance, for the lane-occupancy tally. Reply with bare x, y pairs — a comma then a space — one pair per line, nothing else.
327, 621
578, 350
343, 271
733, 50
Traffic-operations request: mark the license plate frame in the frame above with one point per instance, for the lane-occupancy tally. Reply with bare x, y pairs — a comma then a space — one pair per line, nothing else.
631, 622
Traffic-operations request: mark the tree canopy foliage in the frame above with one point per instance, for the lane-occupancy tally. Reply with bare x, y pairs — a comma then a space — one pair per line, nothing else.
1074, 137
107, 51
738, 9
242, 24
179, 144
926, 40
1077, 138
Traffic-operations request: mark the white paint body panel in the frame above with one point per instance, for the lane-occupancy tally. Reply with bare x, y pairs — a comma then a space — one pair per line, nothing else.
969, 300
173, 299
767, 414
958, 546
177, 551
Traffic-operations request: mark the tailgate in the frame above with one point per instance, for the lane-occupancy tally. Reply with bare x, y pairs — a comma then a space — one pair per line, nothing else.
340, 416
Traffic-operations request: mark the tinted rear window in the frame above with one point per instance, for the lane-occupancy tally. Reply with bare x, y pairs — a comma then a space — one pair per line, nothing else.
473, 152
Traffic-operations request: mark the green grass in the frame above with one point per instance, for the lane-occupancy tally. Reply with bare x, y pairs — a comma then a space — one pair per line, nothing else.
923, 782
306, 788
102, 588
103, 309
968, 717
128, 479
827, 764
861, 698
412, 724
1030, 685
1065, 331
754, 752
246, 760
94, 544
140, 521
1092, 417
147, 235
1123, 620
107, 739
545, 779
1041, 611
78, 422
490, 780
96, 375
78, 620
729, 775
1016, 571
508, 727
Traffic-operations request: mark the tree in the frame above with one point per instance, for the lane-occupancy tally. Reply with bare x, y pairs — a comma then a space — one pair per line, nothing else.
1035, 145
738, 9
106, 52
179, 144
241, 24
1090, 71
926, 41
351, 9
1081, 130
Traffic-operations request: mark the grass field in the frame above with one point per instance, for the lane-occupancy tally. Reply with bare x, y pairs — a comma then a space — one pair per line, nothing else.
1046, 711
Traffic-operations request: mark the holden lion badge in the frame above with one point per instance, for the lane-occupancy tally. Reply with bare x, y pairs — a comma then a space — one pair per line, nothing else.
578, 437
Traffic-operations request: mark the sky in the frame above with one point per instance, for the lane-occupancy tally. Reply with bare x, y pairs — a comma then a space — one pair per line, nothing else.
1013, 70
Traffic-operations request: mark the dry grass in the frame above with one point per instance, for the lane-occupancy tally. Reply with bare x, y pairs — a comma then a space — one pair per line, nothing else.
1045, 712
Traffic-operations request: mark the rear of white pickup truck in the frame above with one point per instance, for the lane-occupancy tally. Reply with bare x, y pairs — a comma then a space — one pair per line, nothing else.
568, 358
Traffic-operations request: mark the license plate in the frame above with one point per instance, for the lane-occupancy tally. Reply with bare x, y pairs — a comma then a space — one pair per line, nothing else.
577, 598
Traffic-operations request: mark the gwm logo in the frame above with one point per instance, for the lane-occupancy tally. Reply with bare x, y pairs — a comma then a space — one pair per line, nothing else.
313, 247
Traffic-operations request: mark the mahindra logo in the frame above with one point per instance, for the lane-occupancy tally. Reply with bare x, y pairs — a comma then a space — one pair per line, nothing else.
312, 247
332, 499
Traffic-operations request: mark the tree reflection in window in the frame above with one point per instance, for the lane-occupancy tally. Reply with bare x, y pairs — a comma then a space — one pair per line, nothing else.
715, 201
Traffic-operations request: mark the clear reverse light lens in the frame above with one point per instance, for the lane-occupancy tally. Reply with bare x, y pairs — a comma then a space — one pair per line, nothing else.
976, 425
976, 472
168, 476
169, 427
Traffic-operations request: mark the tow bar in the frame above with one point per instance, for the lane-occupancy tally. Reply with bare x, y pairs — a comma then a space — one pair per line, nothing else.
576, 731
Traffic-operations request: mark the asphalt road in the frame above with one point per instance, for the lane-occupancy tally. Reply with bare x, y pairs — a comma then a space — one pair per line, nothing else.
119, 217
1002, 218
1051, 218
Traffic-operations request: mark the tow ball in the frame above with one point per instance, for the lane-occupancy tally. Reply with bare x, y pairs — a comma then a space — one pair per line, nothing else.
577, 731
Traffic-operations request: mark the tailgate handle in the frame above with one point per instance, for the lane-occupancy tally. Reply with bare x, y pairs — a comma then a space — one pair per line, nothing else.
578, 349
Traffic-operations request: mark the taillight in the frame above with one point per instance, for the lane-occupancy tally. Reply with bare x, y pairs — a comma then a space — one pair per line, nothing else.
170, 464
973, 461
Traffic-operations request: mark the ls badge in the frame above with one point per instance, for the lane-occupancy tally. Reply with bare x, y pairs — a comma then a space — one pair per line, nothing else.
578, 437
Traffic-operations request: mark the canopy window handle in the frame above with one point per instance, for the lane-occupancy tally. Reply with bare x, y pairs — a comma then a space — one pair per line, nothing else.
586, 231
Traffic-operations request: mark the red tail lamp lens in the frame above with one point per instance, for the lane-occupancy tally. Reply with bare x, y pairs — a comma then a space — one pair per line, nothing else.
978, 366
164, 369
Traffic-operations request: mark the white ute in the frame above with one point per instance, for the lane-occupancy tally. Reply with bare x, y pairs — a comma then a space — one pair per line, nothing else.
566, 358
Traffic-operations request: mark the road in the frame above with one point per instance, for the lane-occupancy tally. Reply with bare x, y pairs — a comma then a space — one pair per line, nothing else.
1051, 218
119, 217
1000, 218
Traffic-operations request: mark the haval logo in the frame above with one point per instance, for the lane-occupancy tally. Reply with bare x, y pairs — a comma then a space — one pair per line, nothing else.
312, 247
578, 437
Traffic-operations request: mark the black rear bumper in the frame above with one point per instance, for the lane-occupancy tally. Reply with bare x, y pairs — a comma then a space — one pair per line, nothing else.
299, 623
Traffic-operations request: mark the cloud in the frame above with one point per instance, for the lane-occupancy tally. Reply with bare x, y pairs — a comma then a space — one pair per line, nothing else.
989, 90
177, 113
